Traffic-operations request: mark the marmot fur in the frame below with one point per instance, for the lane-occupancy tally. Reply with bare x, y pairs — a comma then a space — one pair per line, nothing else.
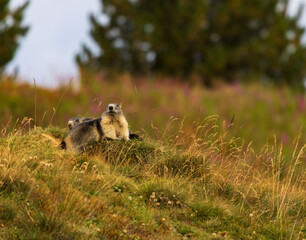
112, 124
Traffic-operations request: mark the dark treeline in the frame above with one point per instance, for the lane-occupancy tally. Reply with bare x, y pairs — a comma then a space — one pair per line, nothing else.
212, 39
11, 29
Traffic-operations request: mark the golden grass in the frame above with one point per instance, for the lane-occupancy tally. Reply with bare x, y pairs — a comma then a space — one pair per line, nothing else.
200, 186
237, 176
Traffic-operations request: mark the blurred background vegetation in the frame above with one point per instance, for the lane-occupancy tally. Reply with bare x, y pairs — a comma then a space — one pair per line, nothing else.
176, 62
11, 29
232, 40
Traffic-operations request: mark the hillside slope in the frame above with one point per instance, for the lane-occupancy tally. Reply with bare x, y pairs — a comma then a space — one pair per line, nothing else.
212, 188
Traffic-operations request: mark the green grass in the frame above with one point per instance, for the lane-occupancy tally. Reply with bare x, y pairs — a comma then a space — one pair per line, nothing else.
150, 189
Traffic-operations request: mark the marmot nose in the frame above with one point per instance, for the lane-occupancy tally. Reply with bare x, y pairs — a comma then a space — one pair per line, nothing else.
111, 108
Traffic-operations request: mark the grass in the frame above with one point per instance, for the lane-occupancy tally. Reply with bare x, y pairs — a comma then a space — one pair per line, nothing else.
152, 189
226, 163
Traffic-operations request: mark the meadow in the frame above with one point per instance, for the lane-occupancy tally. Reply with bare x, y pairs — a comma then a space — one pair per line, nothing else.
223, 163
254, 113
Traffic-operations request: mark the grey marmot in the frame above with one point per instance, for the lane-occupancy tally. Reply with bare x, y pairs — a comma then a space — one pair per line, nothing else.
112, 124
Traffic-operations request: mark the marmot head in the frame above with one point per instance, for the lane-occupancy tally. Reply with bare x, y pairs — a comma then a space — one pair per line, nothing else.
76, 120
113, 108
72, 122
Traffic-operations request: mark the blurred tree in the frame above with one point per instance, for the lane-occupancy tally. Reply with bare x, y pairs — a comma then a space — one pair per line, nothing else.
255, 39
11, 30
227, 39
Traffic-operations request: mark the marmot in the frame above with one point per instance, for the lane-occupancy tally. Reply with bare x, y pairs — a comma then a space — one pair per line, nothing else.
112, 124
76, 120
72, 122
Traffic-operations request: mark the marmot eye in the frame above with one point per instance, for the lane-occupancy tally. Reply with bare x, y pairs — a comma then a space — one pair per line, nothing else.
117, 105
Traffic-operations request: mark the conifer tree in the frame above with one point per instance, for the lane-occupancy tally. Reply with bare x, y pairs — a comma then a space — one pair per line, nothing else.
227, 39
11, 29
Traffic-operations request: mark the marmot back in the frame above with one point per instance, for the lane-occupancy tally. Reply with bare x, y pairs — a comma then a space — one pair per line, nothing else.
83, 134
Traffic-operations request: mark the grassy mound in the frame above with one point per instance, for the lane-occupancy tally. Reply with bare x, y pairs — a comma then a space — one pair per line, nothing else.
210, 188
